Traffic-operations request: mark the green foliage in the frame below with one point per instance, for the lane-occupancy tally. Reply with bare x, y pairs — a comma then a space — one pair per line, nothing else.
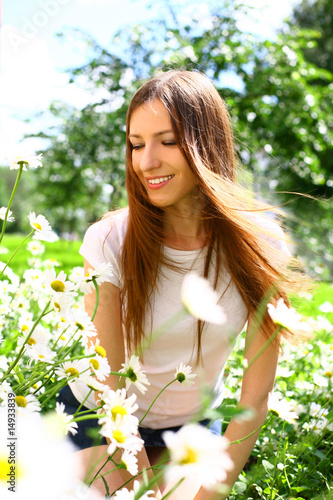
292, 461
280, 104
65, 252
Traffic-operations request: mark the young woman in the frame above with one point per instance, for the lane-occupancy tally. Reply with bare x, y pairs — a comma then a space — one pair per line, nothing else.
186, 212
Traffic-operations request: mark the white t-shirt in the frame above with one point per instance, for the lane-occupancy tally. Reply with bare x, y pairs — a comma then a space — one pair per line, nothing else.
102, 243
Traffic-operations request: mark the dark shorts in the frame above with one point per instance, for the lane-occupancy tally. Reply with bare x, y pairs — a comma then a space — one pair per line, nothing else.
88, 430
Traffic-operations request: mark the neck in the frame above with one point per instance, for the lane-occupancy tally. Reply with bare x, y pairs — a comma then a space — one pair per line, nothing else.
184, 230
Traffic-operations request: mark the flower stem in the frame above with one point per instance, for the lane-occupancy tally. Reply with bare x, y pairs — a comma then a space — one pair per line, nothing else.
144, 416
173, 489
97, 298
82, 404
19, 173
139, 474
246, 437
17, 249
20, 354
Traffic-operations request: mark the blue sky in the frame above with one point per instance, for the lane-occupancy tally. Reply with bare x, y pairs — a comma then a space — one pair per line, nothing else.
33, 57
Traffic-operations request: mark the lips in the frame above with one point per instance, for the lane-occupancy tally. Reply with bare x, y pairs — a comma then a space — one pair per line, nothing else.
158, 182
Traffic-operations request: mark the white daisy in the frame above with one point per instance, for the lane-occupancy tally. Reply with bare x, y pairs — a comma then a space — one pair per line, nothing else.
125, 494
40, 352
34, 277
62, 304
317, 411
33, 161
287, 317
27, 404
3, 211
200, 299
326, 307
81, 322
134, 374
40, 335
35, 247
281, 407
129, 462
100, 367
43, 230
120, 433
97, 348
197, 453
65, 420
72, 368
183, 374
57, 283
115, 404
101, 274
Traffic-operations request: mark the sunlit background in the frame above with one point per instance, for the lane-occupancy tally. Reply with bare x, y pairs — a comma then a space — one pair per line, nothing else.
70, 67
34, 57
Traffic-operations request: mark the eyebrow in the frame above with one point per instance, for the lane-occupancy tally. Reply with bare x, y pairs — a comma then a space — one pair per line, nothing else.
154, 135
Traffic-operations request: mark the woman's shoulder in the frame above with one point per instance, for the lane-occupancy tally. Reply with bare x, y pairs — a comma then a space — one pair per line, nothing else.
113, 224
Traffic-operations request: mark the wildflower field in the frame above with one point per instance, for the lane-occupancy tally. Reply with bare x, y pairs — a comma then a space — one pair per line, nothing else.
47, 341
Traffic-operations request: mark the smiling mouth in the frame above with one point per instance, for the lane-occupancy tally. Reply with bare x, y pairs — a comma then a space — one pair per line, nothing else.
159, 180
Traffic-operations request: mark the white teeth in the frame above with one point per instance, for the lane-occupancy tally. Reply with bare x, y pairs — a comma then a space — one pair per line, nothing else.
161, 179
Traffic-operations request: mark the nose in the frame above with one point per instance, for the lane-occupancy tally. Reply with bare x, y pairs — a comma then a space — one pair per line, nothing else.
149, 158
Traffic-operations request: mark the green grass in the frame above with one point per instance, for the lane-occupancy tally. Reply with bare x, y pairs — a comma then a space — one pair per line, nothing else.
309, 306
64, 252
67, 254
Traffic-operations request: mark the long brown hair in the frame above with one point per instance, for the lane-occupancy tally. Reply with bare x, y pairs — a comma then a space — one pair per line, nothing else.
235, 240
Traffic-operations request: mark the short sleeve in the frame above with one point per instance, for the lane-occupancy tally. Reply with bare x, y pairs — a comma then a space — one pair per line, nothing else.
103, 241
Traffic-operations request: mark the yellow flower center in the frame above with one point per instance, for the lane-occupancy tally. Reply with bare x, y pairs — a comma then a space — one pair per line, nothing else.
58, 286
119, 436
100, 350
79, 325
4, 469
35, 386
328, 374
94, 363
31, 341
21, 401
118, 410
189, 458
72, 371
63, 337
37, 226
41, 356
24, 328
57, 306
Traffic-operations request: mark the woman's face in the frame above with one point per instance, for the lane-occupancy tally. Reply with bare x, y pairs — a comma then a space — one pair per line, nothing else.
157, 159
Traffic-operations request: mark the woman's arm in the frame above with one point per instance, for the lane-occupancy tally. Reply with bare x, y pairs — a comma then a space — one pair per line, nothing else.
108, 324
257, 382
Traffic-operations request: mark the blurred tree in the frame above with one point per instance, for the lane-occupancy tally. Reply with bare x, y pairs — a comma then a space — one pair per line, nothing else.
280, 108
23, 203
317, 15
